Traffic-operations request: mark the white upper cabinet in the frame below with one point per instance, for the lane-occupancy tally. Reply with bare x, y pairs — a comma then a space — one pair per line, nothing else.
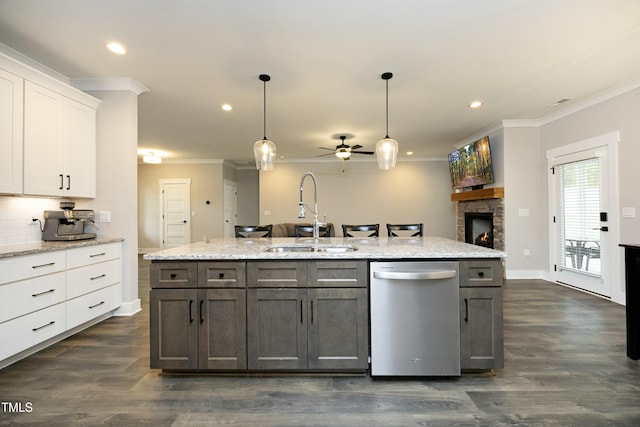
11, 99
59, 144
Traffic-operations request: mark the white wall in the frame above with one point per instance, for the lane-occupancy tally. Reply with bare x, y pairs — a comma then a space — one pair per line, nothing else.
207, 183
117, 142
618, 114
356, 192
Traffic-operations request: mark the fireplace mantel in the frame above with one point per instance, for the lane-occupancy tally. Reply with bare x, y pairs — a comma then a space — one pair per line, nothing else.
485, 193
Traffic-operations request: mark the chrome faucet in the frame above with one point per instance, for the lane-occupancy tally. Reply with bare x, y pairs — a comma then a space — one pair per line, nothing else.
301, 207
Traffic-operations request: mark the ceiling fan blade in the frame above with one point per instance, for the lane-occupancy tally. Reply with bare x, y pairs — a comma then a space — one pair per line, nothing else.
355, 147
363, 152
328, 154
323, 148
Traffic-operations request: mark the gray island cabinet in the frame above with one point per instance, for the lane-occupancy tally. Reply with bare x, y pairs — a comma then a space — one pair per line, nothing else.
232, 305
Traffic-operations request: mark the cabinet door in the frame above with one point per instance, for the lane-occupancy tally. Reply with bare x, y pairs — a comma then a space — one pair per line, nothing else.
277, 328
173, 328
11, 102
43, 173
338, 329
222, 329
481, 336
79, 149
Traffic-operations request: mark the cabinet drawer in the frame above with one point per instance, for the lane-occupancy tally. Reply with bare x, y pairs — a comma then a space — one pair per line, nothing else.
276, 274
25, 267
86, 255
87, 279
481, 273
343, 274
26, 331
90, 306
174, 274
221, 275
26, 296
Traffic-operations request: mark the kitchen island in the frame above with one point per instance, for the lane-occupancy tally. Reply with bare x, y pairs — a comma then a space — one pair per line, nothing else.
299, 305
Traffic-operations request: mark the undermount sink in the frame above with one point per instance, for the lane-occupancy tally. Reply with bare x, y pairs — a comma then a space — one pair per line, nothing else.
336, 249
290, 249
319, 248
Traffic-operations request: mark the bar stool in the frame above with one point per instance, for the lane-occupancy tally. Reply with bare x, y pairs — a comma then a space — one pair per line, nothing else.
374, 228
307, 231
392, 228
254, 231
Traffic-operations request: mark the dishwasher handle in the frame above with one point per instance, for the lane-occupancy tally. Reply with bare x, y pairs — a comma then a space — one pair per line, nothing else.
415, 275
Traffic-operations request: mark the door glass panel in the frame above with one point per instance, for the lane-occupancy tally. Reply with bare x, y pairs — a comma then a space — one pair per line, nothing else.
578, 216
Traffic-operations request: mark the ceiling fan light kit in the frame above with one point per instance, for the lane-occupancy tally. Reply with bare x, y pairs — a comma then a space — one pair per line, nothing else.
387, 148
264, 150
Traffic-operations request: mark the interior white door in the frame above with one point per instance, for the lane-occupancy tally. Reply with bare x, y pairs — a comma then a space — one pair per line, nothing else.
176, 208
583, 218
230, 208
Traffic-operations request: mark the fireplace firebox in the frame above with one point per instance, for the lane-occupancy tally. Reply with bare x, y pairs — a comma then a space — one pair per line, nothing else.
478, 228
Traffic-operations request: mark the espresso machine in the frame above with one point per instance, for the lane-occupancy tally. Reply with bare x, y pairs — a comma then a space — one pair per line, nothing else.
68, 223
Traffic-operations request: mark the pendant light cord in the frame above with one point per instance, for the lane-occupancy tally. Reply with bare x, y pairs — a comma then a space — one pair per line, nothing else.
264, 98
387, 109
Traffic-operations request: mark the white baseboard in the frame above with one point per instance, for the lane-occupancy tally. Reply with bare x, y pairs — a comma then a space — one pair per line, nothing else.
142, 251
525, 274
129, 308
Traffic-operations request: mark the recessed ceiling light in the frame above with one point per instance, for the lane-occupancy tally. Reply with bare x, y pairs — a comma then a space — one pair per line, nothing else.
117, 48
475, 104
226, 107
409, 153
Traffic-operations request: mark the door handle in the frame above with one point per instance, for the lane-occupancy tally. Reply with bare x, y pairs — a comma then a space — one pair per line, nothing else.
603, 228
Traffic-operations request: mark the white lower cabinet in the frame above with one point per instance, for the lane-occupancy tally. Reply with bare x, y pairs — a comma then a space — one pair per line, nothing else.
44, 296
26, 331
90, 306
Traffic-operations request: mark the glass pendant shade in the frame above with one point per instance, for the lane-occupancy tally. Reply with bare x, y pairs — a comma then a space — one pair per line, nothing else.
387, 153
264, 152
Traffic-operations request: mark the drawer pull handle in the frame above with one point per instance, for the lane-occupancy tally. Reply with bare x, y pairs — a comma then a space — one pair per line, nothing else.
221, 276
43, 293
480, 273
98, 277
96, 255
173, 276
49, 264
43, 326
96, 305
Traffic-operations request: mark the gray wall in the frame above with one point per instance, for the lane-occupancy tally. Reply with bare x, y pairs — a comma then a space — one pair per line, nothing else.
358, 193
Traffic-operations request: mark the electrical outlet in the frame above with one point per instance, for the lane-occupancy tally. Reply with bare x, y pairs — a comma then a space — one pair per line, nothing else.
104, 216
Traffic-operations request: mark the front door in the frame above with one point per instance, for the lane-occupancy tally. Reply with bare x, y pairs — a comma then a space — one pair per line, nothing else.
582, 216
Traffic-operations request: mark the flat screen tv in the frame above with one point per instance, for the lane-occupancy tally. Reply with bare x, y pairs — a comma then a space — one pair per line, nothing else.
471, 165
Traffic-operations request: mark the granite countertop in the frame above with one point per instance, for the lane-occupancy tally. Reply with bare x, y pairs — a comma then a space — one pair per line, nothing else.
39, 247
368, 248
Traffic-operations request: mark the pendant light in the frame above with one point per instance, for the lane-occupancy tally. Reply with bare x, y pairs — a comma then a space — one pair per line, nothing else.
387, 148
264, 150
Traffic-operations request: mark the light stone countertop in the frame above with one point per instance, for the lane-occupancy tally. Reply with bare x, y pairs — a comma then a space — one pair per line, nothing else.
368, 248
39, 247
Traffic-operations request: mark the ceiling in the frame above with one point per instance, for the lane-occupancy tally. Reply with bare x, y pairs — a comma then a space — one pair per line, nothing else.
325, 59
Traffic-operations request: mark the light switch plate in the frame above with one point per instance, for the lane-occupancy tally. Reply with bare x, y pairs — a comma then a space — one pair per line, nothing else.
628, 212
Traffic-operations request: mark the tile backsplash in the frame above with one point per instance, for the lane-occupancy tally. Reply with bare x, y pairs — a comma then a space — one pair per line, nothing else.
15, 218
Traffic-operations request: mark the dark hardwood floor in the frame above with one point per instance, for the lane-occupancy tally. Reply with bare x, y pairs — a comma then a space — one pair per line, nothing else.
565, 364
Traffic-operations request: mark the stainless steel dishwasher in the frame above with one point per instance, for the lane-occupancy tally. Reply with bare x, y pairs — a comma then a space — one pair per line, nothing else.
415, 321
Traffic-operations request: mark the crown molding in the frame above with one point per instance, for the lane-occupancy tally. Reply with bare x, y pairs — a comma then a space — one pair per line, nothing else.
109, 84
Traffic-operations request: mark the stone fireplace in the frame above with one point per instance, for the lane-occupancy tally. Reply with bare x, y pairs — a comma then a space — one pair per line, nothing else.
480, 217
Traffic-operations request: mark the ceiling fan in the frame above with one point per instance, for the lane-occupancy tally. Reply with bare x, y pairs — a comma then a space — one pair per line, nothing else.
344, 151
